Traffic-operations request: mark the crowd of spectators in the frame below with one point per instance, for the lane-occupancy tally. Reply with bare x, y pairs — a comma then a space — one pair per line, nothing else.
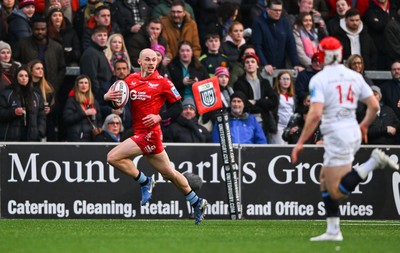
242, 42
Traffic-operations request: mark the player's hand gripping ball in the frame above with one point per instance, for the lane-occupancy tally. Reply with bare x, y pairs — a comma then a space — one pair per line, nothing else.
122, 86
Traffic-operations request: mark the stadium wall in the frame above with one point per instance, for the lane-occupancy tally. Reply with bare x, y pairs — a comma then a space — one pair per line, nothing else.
70, 180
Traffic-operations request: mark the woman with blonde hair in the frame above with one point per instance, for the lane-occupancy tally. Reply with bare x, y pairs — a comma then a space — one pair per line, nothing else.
116, 50
43, 87
284, 86
82, 111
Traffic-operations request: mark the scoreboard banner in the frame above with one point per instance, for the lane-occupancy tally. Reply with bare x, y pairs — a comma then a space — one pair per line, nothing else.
70, 180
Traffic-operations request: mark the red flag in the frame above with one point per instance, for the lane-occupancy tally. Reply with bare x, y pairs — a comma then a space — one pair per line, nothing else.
207, 95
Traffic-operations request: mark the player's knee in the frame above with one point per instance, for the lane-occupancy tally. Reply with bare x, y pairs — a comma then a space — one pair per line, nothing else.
111, 158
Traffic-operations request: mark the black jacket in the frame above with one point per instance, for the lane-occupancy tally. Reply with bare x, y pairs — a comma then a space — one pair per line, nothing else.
188, 131
94, 64
175, 69
69, 41
377, 131
138, 42
78, 126
265, 106
368, 50
13, 127
123, 15
28, 50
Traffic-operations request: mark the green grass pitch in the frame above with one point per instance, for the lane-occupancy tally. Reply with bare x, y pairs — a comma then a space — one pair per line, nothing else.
40, 235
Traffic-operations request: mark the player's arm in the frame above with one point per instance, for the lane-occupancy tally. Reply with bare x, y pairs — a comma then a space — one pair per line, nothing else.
370, 115
312, 121
172, 111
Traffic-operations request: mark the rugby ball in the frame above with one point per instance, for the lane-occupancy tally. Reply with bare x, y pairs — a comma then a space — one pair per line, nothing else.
122, 86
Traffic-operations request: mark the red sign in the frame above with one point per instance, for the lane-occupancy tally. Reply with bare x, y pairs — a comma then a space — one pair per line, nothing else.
207, 95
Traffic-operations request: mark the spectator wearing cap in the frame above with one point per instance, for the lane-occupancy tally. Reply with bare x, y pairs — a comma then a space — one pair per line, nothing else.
7, 65
149, 35
243, 126
303, 79
223, 75
236, 69
19, 24
161, 67
61, 31
262, 100
186, 128
386, 125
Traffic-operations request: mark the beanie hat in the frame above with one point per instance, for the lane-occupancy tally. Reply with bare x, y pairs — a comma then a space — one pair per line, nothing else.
240, 95
251, 56
52, 9
188, 103
4, 45
159, 48
222, 71
376, 89
23, 3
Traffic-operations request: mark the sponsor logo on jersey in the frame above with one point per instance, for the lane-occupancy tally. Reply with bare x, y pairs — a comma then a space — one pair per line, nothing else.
175, 91
141, 95
153, 85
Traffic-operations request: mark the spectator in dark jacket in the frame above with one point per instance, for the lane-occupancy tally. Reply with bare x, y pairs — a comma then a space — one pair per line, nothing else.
392, 39
270, 45
81, 111
22, 116
112, 129
262, 100
40, 46
7, 65
7, 7
377, 16
102, 17
130, 16
186, 128
147, 36
83, 14
185, 70
391, 92
355, 39
386, 125
304, 77
19, 25
61, 31
94, 63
